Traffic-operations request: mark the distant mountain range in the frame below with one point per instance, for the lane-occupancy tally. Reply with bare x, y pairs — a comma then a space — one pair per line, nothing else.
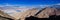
55, 6
23, 9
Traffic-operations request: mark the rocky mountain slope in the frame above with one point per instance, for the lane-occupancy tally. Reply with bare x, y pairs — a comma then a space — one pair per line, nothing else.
28, 13
4, 15
46, 13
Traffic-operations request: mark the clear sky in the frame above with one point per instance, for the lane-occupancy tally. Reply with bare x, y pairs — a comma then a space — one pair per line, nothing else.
30, 2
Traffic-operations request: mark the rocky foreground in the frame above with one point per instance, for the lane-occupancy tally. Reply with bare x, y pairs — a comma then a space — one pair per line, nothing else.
44, 13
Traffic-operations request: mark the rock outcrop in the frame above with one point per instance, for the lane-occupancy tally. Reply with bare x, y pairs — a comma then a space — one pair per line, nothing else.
58, 13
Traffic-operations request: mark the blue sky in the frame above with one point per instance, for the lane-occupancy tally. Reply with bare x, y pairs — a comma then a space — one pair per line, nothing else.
30, 2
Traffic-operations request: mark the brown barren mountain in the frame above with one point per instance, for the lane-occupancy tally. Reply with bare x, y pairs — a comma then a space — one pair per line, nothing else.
28, 13
32, 12
47, 12
43, 14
